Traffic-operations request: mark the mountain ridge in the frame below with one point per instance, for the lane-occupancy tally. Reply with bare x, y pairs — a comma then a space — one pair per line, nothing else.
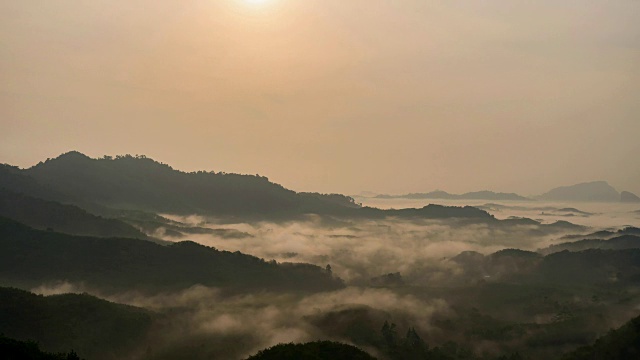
31, 258
474, 195
139, 183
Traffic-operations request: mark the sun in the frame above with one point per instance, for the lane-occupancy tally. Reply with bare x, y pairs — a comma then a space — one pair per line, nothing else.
256, 2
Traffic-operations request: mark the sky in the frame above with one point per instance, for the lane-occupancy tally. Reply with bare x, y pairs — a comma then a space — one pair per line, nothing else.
332, 95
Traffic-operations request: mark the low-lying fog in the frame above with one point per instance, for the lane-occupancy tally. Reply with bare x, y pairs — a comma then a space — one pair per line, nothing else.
358, 250
600, 215
233, 327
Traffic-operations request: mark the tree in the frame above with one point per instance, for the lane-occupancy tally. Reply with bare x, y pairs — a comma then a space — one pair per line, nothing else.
389, 335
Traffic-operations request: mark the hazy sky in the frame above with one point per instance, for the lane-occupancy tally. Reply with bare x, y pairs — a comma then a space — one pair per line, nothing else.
332, 95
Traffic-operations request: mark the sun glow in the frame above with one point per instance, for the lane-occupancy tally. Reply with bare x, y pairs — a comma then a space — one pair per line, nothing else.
256, 2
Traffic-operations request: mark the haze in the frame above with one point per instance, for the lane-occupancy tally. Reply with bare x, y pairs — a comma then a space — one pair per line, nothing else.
329, 95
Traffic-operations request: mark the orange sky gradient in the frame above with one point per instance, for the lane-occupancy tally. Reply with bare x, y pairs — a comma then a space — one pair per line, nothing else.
332, 95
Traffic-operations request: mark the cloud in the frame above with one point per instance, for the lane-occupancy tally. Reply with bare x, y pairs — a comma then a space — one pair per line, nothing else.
359, 250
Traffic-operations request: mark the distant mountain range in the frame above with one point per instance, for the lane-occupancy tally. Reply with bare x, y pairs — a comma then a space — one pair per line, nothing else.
597, 191
476, 195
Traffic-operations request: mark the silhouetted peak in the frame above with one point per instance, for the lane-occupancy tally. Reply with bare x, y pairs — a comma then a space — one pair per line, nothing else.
188, 244
68, 158
629, 197
73, 153
72, 156
515, 253
467, 256
588, 191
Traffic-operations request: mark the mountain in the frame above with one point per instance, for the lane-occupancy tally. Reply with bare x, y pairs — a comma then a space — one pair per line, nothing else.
30, 258
620, 344
617, 243
599, 191
318, 350
14, 179
506, 264
430, 211
605, 234
93, 327
592, 266
68, 219
629, 197
476, 195
139, 183
588, 267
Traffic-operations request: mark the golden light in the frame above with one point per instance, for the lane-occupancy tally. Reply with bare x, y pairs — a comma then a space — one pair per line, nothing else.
256, 2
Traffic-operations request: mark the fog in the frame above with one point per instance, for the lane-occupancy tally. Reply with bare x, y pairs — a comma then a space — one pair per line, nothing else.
204, 322
358, 250
601, 215
201, 315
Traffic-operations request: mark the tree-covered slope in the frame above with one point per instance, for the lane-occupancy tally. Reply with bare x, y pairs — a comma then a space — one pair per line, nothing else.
93, 327
30, 257
12, 349
318, 350
14, 179
619, 344
140, 183
68, 219
591, 267
617, 243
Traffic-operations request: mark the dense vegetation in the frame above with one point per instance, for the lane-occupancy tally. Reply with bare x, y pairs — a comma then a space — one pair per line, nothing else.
591, 267
69, 219
140, 183
31, 257
507, 305
617, 243
29, 350
319, 350
88, 325
619, 344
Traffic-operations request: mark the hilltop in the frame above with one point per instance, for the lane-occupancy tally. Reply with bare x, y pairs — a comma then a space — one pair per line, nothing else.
143, 184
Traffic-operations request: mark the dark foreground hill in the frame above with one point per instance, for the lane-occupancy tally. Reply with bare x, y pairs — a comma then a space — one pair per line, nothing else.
30, 258
620, 344
90, 326
12, 349
319, 350
140, 183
